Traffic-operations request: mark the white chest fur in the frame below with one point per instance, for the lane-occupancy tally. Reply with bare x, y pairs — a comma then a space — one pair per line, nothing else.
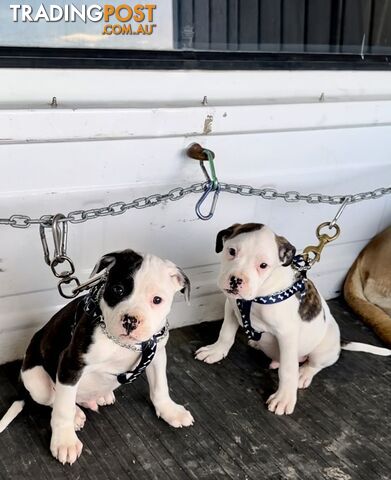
104, 361
284, 318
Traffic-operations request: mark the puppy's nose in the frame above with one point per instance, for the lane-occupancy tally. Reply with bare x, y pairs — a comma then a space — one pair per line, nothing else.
235, 282
129, 323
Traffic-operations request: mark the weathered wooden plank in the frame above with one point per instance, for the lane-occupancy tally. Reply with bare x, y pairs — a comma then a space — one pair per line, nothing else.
341, 427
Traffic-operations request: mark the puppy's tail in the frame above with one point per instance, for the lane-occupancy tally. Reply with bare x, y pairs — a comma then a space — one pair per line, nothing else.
365, 347
11, 413
372, 315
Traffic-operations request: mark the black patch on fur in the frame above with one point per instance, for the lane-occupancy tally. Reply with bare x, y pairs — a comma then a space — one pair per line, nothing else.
234, 231
286, 251
122, 267
186, 284
310, 305
60, 345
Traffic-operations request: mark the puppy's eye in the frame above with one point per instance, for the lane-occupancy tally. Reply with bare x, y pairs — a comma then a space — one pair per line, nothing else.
263, 265
157, 300
118, 290
232, 252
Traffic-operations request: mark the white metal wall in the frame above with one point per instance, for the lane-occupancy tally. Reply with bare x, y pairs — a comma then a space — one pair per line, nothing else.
119, 135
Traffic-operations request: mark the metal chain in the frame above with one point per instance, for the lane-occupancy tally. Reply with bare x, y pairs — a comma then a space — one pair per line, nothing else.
294, 196
118, 208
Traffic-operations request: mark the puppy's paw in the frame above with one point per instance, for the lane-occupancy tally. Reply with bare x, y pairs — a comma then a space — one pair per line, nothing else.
211, 353
65, 446
91, 404
175, 415
108, 399
80, 419
306, 374
282, 402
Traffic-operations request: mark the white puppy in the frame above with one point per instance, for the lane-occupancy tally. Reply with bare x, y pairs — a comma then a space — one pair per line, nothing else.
283, 313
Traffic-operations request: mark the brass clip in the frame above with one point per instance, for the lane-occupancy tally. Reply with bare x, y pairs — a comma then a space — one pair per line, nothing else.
324, 239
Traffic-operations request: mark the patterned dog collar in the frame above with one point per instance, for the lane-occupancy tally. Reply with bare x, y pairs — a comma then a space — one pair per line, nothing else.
244, 306
147, 350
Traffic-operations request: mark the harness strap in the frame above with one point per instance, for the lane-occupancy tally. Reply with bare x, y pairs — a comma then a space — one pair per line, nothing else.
147, 348
147, 354
244, 306
91, 302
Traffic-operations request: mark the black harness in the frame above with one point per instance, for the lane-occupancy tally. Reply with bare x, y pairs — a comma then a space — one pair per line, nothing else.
147, 348
244, 306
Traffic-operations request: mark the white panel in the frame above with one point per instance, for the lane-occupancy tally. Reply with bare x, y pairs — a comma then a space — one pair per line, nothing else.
121, 88
18, 126
63, 160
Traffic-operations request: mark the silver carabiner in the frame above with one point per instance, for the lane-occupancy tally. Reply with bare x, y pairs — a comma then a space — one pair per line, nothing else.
91, 282
209, 188
44, 242
345, 202
60, 235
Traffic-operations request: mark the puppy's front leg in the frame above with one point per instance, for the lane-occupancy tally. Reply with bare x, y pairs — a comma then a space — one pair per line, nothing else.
64, 444
174, 414
219, 350
283, 401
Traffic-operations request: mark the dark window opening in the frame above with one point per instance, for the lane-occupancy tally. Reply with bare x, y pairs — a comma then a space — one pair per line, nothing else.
214, 34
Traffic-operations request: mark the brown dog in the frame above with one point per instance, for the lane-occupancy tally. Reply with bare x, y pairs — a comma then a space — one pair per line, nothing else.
368, 285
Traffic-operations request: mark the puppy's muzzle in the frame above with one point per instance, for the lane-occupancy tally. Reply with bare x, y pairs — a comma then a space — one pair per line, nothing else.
130, 323
235, 283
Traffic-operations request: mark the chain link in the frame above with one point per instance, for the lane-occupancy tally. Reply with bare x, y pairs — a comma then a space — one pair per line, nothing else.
118, 208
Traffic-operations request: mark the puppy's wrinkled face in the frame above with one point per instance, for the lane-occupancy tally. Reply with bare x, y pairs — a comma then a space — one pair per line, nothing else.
138, 294
250, 254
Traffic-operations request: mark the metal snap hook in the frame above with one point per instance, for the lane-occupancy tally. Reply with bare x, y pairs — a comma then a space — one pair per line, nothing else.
91, 282
212, 184
44, 242
60, 235
345, 202
209, 188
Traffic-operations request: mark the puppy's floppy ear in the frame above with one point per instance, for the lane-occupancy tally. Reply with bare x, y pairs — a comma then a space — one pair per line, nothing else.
107, 261
223, 235
185, 283
180, 279
286, 251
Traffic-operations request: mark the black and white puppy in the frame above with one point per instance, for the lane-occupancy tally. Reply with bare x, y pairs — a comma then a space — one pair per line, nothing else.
77, 359
255, 264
